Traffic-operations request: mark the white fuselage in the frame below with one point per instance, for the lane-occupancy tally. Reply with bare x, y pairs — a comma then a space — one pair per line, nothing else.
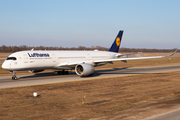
36, 60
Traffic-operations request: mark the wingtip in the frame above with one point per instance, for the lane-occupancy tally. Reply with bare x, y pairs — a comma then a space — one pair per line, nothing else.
172, 53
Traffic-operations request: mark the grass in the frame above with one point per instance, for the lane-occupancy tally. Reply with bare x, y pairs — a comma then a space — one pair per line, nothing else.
103, 97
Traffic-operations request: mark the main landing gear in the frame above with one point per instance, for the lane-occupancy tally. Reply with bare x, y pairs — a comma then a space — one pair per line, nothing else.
14, 77
63, 72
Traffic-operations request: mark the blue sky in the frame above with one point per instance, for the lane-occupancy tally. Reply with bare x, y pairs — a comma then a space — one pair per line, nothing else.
71, 23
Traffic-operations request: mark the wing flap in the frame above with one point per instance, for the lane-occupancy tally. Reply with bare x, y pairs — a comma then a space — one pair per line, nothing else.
128, 55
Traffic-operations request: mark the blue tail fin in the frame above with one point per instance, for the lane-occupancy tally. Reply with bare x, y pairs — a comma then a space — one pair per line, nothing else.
117, 42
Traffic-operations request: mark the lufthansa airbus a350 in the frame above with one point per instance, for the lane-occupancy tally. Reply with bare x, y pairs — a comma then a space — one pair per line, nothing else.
83, 62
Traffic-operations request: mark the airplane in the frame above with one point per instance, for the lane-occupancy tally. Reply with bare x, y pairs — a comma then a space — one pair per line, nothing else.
83, 62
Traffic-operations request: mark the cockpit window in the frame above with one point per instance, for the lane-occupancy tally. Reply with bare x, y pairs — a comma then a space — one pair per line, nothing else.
11, 58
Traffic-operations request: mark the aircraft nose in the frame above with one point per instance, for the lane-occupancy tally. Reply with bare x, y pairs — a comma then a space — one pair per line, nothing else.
5, 65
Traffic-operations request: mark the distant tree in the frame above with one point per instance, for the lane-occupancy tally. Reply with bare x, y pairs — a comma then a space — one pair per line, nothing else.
4, 48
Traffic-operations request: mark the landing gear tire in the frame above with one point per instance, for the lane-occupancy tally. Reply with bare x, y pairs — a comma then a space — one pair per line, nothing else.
66, 72
63, 72
59, 72
14, 77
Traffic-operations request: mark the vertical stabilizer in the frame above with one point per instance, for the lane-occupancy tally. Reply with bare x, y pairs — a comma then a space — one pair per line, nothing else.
117, 42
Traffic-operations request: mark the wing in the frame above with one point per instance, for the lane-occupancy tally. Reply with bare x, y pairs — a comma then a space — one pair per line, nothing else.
123, 59
133, 58
95, 62
71, 65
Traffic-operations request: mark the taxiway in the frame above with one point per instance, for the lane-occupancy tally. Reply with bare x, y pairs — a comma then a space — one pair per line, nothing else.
172, 115
45, 78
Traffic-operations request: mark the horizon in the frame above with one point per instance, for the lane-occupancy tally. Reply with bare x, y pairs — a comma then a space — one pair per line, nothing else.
25, 47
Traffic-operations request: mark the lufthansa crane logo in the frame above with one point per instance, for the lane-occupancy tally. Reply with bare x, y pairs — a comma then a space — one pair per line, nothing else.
118, 41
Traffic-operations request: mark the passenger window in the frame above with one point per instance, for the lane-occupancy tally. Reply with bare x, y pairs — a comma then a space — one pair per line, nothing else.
11, 58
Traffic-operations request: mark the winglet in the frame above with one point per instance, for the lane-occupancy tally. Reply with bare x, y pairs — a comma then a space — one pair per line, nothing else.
117, 42
172, 53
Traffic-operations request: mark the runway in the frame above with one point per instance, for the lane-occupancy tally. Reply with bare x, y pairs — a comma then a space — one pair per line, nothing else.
172, 115
45, 78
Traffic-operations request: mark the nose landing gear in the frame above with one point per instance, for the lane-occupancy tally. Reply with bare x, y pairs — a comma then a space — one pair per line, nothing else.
14, 77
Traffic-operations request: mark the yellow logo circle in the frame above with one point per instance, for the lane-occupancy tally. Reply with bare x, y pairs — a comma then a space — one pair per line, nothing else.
118, 41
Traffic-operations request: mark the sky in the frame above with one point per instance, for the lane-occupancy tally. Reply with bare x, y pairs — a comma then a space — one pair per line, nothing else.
72, 23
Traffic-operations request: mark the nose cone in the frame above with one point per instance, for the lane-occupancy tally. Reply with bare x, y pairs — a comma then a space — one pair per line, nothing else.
5, 66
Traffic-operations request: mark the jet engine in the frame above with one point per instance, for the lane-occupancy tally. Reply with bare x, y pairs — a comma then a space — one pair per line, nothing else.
84, 69
35, 71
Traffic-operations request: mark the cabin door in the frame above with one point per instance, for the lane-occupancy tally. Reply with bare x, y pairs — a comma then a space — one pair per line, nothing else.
88, 57
25, 56
54, 57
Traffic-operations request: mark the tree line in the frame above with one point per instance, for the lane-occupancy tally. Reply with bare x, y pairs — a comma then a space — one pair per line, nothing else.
4, 48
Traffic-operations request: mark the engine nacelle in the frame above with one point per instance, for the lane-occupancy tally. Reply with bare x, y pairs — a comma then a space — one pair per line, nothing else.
35, 71
84, 69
